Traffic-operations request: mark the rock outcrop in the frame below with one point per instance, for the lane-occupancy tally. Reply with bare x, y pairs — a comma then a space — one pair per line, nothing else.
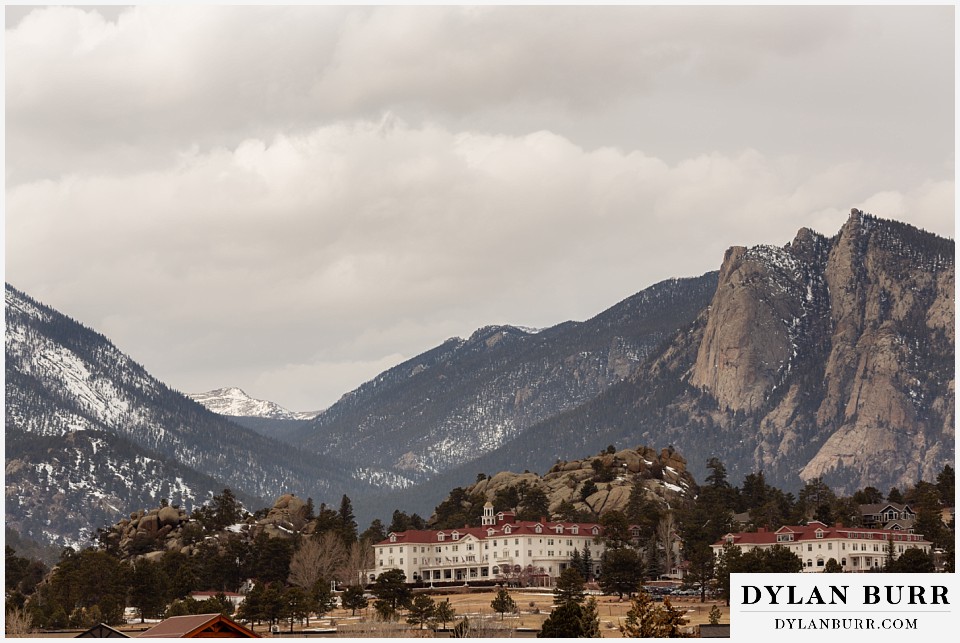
663, 475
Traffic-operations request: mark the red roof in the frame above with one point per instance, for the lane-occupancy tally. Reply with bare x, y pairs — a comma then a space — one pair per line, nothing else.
525, 527
809, 532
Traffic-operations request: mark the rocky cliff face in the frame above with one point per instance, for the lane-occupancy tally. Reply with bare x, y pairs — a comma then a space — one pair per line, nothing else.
828, 357
844, 343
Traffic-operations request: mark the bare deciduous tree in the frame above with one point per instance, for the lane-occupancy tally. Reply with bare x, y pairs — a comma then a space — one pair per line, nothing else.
317, 558
358, 558
666, 534
18, 623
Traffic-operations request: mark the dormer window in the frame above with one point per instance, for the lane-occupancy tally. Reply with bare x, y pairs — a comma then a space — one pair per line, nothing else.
441, 536
784, 538
456, 535
596, 531
819, 533
490, 532
575, 529
393, 538
559, 529
537, 529
729, 539
507, 529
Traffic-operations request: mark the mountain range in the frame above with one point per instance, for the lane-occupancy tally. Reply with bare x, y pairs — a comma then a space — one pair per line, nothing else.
828, 357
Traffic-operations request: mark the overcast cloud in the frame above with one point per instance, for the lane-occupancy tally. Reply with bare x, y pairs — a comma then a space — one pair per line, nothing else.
291, 200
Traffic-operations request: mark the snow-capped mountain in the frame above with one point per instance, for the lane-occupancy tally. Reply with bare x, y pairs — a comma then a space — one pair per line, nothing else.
235, 402
90, 436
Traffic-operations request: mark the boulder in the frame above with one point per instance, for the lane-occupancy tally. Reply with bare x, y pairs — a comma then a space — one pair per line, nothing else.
149, 524
169, 516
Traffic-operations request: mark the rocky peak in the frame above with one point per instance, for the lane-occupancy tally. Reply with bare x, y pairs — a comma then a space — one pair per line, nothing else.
844, 341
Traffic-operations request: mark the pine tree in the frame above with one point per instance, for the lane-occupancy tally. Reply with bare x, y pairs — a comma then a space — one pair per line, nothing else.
591, 619
569, 587
444, 612
646, 619
587, 561
422, 609
353, 599
566, 621
348, 522
503, 602
576, 562
621, 571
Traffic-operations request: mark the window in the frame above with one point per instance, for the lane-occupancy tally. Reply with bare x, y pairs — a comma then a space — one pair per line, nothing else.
809, 546
441, 536
550, 541
391, 550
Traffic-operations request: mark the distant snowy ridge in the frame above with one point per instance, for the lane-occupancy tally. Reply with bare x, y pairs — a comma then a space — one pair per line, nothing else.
234, 401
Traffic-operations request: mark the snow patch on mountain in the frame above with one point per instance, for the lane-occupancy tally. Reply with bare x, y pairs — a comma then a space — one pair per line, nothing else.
234, 401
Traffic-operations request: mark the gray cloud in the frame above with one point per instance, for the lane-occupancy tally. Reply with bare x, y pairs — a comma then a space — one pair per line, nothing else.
292, 200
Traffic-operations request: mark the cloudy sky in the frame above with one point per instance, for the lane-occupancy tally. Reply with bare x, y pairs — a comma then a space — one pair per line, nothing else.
291, 200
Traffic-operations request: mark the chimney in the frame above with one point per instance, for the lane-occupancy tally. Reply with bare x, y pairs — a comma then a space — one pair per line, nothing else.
543, 519
761, 530
839, 525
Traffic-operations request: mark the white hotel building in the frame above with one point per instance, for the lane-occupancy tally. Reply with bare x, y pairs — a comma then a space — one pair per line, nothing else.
502, 548
857, 549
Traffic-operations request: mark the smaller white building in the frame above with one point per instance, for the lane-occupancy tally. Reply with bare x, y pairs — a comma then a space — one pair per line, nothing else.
857, 549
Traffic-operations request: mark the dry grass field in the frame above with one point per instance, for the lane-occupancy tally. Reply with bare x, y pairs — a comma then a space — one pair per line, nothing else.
534, 607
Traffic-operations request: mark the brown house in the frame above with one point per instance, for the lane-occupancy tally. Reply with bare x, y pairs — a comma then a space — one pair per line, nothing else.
201, 626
